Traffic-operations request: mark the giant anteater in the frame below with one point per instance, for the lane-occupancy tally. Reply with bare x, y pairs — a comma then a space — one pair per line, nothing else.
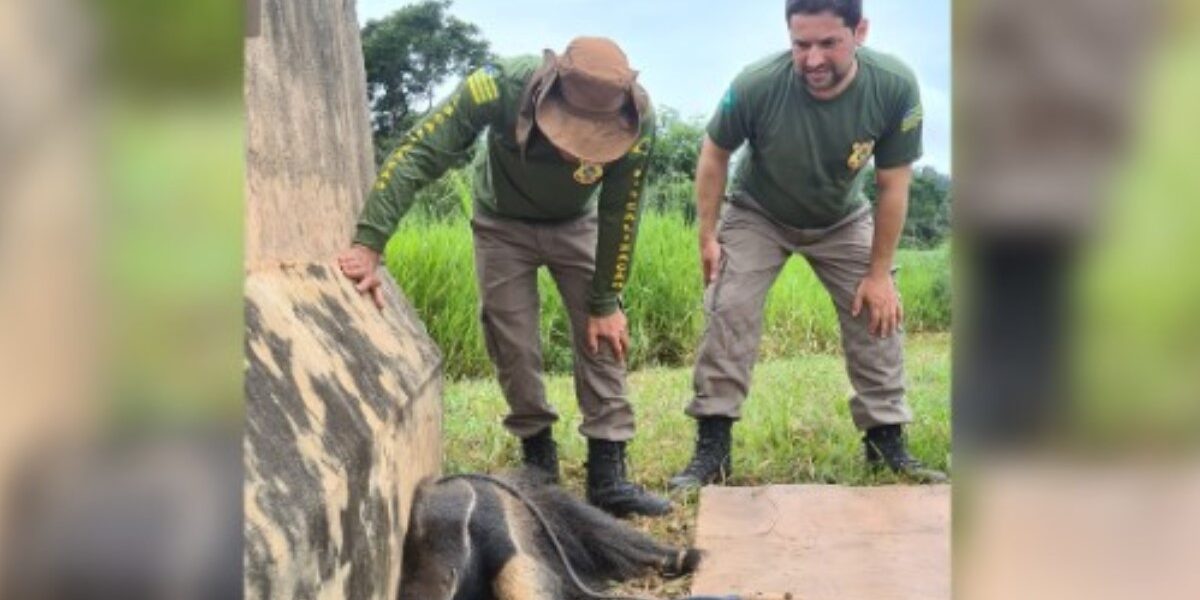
475, 537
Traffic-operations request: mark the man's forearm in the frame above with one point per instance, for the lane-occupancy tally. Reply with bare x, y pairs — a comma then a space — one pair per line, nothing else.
889, 224
619, 212
710, 189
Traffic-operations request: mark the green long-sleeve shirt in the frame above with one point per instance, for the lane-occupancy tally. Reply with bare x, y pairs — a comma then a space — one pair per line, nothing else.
539, 186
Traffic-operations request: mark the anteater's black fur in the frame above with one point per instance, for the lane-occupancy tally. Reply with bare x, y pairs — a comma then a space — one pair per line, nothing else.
470, 539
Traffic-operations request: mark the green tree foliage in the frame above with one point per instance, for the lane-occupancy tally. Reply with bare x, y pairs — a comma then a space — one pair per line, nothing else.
673, 165
407, 55
677, 146
928, 222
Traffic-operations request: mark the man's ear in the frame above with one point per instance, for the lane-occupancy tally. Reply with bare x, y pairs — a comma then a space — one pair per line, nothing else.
860, 32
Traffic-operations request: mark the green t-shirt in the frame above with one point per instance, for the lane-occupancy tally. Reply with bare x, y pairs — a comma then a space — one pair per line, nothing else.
804, 164
541, 186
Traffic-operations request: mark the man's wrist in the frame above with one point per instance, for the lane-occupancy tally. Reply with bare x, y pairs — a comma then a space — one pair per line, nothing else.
371, 238
876, 271
367, 248
603, 306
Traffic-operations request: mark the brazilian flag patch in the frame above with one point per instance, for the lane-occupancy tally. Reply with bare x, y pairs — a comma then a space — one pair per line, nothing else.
727, 100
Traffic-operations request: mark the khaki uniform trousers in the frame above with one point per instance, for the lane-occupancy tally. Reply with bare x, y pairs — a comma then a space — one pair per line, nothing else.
754, 250
508, 253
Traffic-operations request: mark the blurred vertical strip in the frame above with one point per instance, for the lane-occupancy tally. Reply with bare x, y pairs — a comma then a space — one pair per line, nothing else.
1077, 353
1047, 96
121, 173
48, 238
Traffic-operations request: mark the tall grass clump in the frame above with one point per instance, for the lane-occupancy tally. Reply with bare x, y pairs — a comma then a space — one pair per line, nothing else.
432, 259
924, 282
434, 265
663, 298
799, 317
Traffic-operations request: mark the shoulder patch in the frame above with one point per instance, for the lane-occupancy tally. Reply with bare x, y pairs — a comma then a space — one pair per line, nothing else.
911, 119
482, 85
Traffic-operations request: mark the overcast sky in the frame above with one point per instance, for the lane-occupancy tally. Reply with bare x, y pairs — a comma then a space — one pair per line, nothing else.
688, 51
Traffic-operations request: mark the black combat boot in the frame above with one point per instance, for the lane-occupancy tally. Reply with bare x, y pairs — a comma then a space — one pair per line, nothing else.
609, 490
713, 459
540, 452
885, 446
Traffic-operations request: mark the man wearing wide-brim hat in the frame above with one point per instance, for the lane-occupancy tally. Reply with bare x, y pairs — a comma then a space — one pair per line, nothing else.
568, 141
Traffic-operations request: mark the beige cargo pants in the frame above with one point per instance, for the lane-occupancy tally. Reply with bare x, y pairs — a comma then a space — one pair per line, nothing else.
508, 254
754, 250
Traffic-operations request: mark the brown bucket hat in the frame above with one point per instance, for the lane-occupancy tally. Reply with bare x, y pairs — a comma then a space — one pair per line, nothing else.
587, 101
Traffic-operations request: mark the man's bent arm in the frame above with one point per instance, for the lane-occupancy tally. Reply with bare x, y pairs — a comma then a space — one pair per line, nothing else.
619, 211
440, 140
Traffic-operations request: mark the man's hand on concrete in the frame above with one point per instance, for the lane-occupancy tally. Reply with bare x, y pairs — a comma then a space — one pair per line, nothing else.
878, 293
612, 330
710, 258
361, 265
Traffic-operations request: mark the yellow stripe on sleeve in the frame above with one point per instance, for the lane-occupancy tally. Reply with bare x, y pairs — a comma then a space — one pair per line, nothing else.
490, 88
473, 84
483, 87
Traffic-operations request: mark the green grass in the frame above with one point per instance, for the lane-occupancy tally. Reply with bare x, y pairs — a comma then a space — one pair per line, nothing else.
796, 428
796, 424
433, 263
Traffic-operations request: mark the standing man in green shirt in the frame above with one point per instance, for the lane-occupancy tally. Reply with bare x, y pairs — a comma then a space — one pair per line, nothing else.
812, 118
559, 184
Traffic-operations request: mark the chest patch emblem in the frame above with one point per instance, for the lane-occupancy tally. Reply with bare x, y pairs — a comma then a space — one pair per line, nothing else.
588, 173
860, 152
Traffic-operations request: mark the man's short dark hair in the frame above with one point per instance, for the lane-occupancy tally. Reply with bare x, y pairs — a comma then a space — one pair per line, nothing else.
849, 10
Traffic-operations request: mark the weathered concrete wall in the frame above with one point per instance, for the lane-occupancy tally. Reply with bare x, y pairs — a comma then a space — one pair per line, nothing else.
343, 417
308, 135
343, 401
